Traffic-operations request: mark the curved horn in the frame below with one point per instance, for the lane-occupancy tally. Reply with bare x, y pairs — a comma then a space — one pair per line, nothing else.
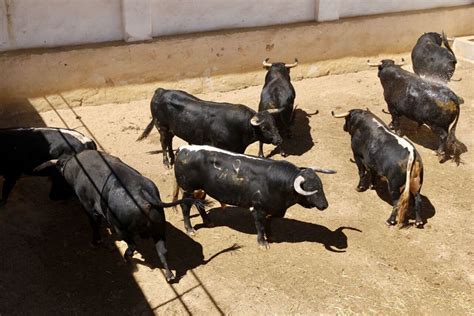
402, 63
373, 64
266, 63
46, 164
293, 64
339, 115
328, 171
297, 185
273, 111
254, 121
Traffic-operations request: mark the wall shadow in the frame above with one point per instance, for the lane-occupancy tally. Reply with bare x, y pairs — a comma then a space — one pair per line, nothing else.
285, 230
47, 265
51, 267
427, 208
301, 140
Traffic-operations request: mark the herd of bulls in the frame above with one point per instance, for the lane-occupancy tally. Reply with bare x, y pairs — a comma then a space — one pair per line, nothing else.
214, 162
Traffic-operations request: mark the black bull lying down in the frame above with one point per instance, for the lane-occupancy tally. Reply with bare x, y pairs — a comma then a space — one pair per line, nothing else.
22, 149
228, 126
430, 59
108, 188
378, 152
278, 93
267, 187
425, 102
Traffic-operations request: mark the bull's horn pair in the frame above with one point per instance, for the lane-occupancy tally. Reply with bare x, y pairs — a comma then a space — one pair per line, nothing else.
255, 120
274, 111
267, 64
297, 185
339, 115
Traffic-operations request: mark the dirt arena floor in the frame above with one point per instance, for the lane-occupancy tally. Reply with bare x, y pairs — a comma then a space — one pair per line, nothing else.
344, 260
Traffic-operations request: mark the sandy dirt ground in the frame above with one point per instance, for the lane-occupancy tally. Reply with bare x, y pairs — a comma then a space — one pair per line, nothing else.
344, 260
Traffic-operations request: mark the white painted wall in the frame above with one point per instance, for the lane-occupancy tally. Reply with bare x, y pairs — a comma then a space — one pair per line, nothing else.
52, 23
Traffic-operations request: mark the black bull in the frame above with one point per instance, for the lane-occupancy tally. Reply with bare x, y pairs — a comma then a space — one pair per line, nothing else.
228, 126
430, 59
131, 204
22, 149
425, 102
378, 152
266, 187
278, 93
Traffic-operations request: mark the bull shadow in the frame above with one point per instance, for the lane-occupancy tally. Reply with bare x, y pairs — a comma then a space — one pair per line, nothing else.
301, 140
285, 230
184, 253
427, 208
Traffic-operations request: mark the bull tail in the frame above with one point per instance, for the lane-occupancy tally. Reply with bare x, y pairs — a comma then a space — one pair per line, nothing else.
453, 146
176, 190
147, 130
405, 196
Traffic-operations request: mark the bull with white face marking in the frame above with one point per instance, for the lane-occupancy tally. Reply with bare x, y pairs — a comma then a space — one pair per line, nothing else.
430, 59
228, 126
425, 102
22, 149
131, 204
266, 187
278, 93
378, 152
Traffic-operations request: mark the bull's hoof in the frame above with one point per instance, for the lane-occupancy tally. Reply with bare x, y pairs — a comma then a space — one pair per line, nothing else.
391, 222
419, 224
191, 232
263, 244
167, 165
170, 277
128, 254
361, 188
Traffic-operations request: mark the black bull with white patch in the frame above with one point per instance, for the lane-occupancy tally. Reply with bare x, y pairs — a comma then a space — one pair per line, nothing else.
425, 102
22, 149
131, 204
228, 126
431, 59
267, 187
278, 93
378, 152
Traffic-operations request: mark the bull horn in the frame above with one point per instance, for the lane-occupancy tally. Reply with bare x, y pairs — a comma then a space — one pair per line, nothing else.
402, 63
293, 64
273, 111
297, 184
339, 115
254, 121
266, 63
46, 164
328, 171
373, 64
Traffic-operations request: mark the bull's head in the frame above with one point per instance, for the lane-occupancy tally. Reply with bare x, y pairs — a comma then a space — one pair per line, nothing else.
310, 188
265, 127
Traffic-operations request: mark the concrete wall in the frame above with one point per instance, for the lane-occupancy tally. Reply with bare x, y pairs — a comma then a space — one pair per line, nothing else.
215, 61
53, 23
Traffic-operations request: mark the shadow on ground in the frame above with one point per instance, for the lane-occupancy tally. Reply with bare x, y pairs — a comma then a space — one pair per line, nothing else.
301, 140
285, 230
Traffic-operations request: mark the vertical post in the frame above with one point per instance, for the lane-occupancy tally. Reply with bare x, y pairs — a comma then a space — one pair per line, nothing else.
137, 22
327, 10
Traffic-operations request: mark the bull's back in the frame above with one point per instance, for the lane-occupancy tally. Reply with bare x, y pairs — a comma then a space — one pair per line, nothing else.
201, 122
